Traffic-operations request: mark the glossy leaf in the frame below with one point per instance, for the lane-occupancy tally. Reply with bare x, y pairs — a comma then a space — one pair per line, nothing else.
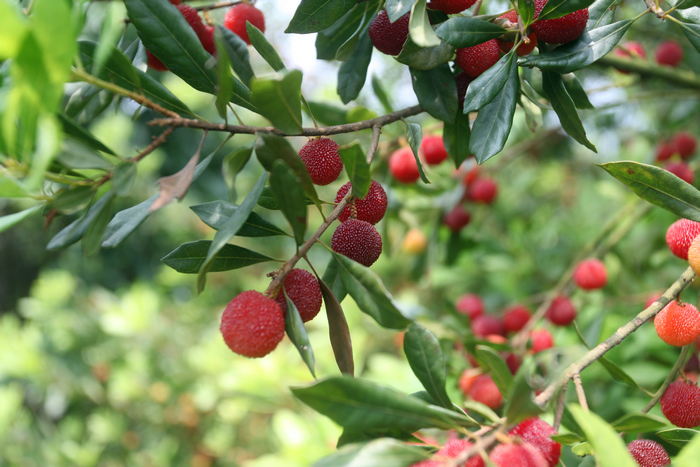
73, 198
125, 222
658, 186
353, 72
526, 10
357, 168
329, 40
678, 436
486, 87
617, 373
558, 8
564, 106
75, 155
11, 220
601, 13
10, 187
217, 213
238, 55
269, 201
264, 48
425, 58
328, 114
81, 134
382, 452
639, 423
224, 87
427, 361
462, 31
189, 257
395, 9
456, 136
123, 177
498, 368
365, 287
414, 134
76, 229
338, 331
287, 188
436, 90
692, 32
481, 409
232, 164
317, 15
689, 455
347, 48
610, 450
294, 326
90, 244
419, 27
332, 278
279, 100
575, 89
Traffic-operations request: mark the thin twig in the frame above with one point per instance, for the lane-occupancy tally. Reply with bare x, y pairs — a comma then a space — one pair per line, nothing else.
669, 379
559, 410
580, 393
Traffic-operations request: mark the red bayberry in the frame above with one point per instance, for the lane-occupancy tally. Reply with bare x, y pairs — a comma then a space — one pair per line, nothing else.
561, 312
522, 455
515, 318
237, 16
451, 450
174, 2
403, 166
207, 39
470, 305
154, 62
479, 58
648, 453
590, 274
665, 151
524, 48
482, 190
541, 340
457, 218
252, 324
467, 378
484, 390
684, 144
679, 236
630, 49
193, 19
678, 324
559, 30
485, 325
451, 6
669, 53
195, 22
537, 432
303, 290
388, 37
371, 208
433, 149
322, 160
682, 171
471, 175
513, 362
681, 404
358, 240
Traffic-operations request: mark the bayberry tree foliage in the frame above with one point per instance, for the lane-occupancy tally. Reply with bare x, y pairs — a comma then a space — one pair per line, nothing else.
483, 75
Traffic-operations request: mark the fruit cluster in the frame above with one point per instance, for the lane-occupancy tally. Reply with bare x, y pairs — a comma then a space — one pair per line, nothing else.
674, 154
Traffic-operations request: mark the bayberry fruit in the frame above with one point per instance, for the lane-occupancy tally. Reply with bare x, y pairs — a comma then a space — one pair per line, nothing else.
414, 242
237, 16
559, 30
541, 340
451, 6
322, 160
680, 404
371, 208
457, 218
451, 450
648, 453
174, 2
515, 318
669, 53
207, 40
682, 171
538, 433
694, 255
252, 324
477, 59
433, 149
303, 290
513, 362
684, 144
154, 62
485, 325
470, 305
482, 190
561, 312
678, 324
467, 378
388, 37
522, 455
679, 236
358, 240
403, 166
630, 49
195, 21
665, 151
524, 48
484, 390
590, 274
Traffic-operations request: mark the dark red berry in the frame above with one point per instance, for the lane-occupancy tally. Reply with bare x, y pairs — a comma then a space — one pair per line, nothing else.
371, 208
669, 53
479, 58
682, 171
457, 218
537, 432
358, 240
680, 404
470, 305
388, 37
482, 190
252, 324
322, 160
648, 453
559, 30
561, 312
485, 325
303, 290
524, 48
684, 144
515, 318
237, 16
451, 6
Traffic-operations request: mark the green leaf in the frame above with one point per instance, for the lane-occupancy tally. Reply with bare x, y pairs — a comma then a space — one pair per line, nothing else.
123, 177
692, 32
74, 155
414, 134
494, 121
526, 10
486, 87
382, 452
689, 455
462, 31
425, 58
230, 229
11, 187
519, 405
481, 409
395, 9
436, 90
233, 163
425, 357
567, 439
112, 28
678, 436
338, 330
189, 257
73, 129
264, 48
73, 198
498, 368
639, 423
617, 373
279, 100
294, 326
93, 234
76, 229
328, 114
13, 219
287, 188
353, 72
269, 201
658, 186
125, 222
13, 26
609, 448
456, 136
580, 53
357, 404
357, 168
332, 278
365, 287
217, 213
238, 55
317, 15
419, 28
563, 105
347, 48
558, 8
381, 94
330, 40
575, 89
224, 88
601, 13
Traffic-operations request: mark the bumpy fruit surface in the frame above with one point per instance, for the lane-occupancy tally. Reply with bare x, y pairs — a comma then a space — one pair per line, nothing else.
537, 432
479, 58
303, 290
252, 324
559, 30
679, 236
451, 6
669, 53
561, 312
684, 144
358, 240
682, 171
371, 208
207, 40
524, 48
484, 390
648, 453
433, 149
451, 450
678, 324
388, 37
322, 160
522, 455
694, 255
403, 166
541, 340
485, 325
237, 16
470, 305
515, 318
681, 404
457, 218
590, 274
482, 190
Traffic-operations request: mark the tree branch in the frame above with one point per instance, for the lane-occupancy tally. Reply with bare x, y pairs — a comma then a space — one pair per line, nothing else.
648, 69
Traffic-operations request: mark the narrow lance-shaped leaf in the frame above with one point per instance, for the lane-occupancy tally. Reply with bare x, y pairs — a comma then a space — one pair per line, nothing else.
338, 331
224, 88
419, 27
425, 58
462, 31
526, 10
486, 87
353, 72
395, 9
425, 357
678, 436
346, 49
11, 220
75, 230
317, 15
189, 257
233, 163
279, 100
689, 455
331, 39
217, 213
456, 137
332, 278
290, 196
294, 326
436, 90
383, 452
414, 134
357, 168
563, 105
639, 423
238, 54
90, 244
610, 450
264, 48
497, 366
558, 8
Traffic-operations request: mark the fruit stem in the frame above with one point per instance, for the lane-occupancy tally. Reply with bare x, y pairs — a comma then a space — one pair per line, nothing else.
669, 379
559, 410
580, 393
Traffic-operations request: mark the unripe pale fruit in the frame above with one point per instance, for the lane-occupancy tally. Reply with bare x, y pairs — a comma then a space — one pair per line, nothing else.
414, 242
590, 274
237, 16
479, 58
520, 454
482, 190
648, 453
559, 30
679, 236
541, 340
403, 166
684, 144
669, 53
470, 305
457, 218
694, 255
537, 432
467, 379
484, 390
515, 318
485, 325
322, 160
680, 404
681, 170
451, 6
561, 312
252, 324
388, 37
678, 324
433, 149
371, 208
303, 290
358, 240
